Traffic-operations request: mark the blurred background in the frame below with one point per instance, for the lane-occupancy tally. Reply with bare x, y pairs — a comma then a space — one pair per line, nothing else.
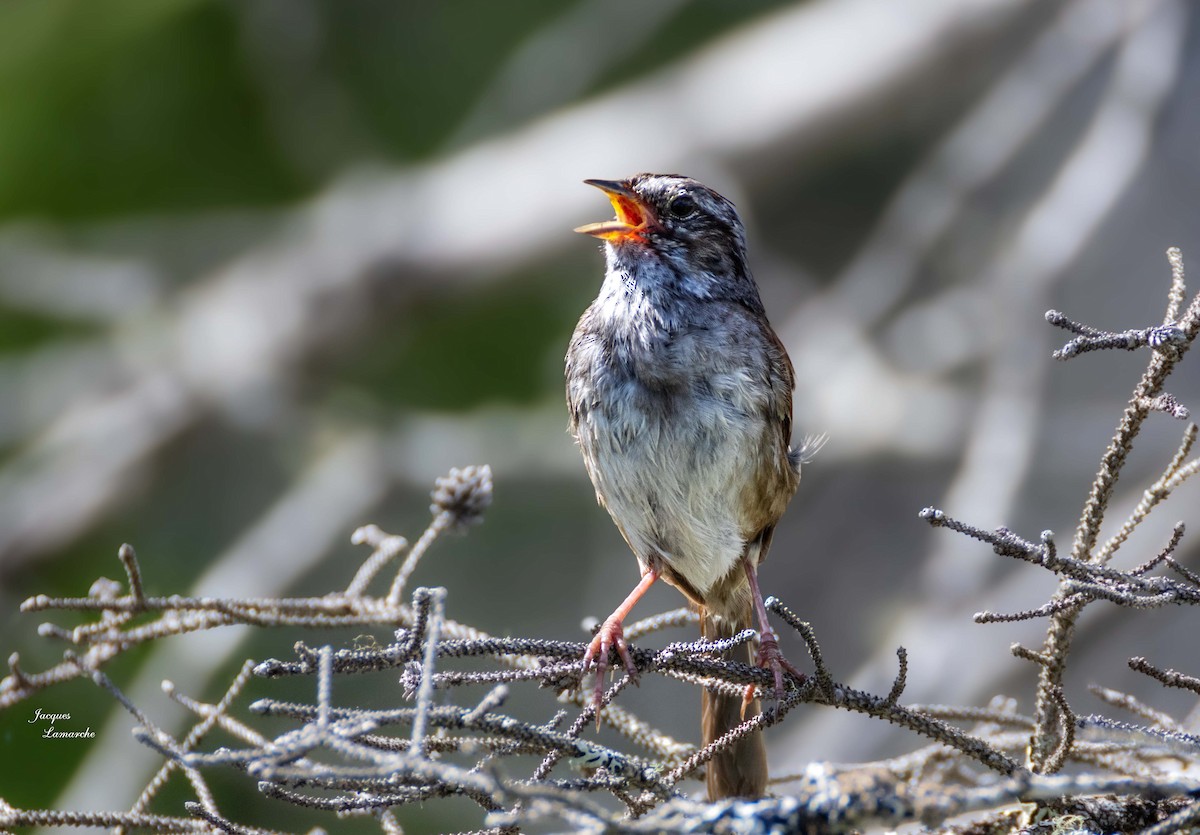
269, 267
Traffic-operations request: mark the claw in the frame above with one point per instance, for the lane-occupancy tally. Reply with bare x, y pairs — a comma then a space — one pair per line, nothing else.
747, 699
611, 634
769, 654
771, 657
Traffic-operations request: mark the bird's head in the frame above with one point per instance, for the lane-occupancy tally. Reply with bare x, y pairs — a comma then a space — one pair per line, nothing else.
677, 222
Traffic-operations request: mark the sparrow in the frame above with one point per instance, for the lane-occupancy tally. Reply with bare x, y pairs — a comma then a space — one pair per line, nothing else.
680, 399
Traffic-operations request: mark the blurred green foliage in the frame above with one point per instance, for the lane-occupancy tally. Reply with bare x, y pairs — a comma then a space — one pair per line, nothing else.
129, 106
490, 346
415, 69
21, 330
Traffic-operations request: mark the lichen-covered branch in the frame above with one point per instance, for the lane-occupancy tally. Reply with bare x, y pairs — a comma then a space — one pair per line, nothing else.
1085, 576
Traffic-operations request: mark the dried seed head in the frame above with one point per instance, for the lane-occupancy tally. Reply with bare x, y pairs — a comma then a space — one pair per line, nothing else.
105, 589
465, 494
410, 679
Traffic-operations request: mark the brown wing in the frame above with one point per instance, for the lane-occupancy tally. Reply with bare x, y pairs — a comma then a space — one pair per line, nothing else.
778, 469
783, 383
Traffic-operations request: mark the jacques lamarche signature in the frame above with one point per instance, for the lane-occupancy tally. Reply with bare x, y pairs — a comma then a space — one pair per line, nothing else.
51, 732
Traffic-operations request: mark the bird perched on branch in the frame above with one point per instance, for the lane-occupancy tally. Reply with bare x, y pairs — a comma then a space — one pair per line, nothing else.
681, 401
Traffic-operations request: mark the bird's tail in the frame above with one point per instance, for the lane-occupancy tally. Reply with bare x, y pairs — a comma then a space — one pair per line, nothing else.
740, 770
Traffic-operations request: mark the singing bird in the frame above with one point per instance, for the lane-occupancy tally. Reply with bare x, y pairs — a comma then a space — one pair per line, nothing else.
680, 397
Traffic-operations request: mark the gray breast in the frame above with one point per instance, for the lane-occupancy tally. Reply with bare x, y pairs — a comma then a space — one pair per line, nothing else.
671, 430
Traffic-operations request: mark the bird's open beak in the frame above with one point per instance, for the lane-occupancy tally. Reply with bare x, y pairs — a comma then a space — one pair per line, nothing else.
633, 216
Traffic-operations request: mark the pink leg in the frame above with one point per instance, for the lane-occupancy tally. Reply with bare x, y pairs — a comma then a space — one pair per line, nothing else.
612, 634
769, 654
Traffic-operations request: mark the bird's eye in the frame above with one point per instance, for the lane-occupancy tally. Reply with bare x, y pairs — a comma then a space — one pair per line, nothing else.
682, 207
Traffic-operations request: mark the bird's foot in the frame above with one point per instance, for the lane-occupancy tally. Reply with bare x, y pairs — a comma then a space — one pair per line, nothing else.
771, 657
610, 635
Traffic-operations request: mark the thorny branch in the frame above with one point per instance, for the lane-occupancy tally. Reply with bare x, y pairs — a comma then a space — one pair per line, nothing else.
1085, 576
439, 746
1165, 355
